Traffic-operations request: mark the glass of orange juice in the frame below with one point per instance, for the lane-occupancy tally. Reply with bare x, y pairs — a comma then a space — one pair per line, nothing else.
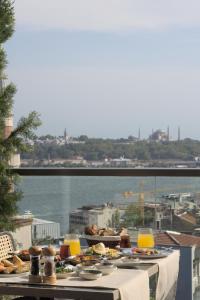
74, 243
145, 238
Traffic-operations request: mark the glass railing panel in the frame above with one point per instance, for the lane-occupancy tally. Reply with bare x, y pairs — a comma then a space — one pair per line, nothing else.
134, 201
53, 198
161, 203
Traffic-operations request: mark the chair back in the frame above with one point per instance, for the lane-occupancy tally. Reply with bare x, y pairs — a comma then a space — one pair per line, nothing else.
7, 245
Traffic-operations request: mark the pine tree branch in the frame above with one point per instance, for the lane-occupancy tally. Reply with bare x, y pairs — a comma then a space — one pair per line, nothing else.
26, 126
3, 61
16, 140
6, 100
7, 20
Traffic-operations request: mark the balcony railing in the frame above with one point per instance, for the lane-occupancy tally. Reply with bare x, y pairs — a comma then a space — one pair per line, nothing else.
128, 172
80, 183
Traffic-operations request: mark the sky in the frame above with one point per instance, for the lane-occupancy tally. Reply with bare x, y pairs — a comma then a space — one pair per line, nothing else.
106, 68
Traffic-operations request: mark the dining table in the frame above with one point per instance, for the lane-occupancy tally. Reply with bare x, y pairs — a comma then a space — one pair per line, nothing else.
143, 280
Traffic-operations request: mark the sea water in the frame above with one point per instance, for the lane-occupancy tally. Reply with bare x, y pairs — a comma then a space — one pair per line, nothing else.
52, 198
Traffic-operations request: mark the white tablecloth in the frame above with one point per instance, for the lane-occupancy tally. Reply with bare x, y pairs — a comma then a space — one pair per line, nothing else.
132, 284
168, 273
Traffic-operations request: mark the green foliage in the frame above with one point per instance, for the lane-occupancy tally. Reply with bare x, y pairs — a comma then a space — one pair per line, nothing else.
83, 138
9, 194
6, 102
133, 218
2, 60
15, 142
116, 218
7, 20
99, 149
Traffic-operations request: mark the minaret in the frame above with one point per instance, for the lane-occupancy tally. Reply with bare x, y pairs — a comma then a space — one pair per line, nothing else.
179, 133
139, 135
168, 133
66, 137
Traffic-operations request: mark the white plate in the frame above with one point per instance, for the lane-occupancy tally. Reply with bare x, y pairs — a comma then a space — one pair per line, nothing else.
14, 275
130, 259
152, 256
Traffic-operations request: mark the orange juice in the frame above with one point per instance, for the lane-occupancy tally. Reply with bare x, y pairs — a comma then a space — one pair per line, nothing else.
145, 240
74, 246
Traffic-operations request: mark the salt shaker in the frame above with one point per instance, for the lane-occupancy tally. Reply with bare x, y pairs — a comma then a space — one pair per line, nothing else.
49, 265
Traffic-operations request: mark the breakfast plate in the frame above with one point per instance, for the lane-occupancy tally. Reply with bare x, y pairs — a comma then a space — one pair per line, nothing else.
150, 256
146, 253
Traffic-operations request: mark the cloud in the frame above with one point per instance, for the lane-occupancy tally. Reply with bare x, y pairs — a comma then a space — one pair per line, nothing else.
107, 15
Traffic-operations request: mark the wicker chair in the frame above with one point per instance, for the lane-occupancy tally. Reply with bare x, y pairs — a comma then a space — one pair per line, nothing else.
7, 247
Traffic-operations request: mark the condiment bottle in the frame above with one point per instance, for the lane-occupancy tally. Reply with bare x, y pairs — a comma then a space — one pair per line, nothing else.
35, 253
64, 251
49, 265
125, 241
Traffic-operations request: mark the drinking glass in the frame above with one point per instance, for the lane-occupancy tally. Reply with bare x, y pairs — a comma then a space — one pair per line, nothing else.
64, 251
74, 243
145, 238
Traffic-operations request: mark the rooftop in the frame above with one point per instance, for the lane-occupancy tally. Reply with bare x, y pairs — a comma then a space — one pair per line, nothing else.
41, 221
170, 238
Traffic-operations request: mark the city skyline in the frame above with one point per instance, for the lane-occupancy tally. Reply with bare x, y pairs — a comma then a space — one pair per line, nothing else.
175, 136
107, 72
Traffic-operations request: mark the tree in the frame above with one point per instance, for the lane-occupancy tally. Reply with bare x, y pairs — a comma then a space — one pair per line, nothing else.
83, 138
132, 216
116, 218
15, 141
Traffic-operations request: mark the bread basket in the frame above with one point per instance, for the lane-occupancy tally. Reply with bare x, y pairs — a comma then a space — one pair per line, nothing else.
109, 241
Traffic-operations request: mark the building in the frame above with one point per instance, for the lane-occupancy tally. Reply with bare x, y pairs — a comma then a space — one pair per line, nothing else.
88, 215
189, 270
43, 229
159, 136
22, 234
120, 162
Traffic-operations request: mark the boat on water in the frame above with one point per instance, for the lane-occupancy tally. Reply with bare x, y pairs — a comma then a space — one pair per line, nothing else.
28, 214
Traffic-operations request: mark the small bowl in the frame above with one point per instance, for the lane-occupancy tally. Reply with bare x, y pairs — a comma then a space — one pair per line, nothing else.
106, 269
130, 259
90, 274
64, 275
81, 267
66, 271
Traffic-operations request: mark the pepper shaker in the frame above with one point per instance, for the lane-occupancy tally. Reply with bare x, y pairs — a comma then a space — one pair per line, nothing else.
35, 253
